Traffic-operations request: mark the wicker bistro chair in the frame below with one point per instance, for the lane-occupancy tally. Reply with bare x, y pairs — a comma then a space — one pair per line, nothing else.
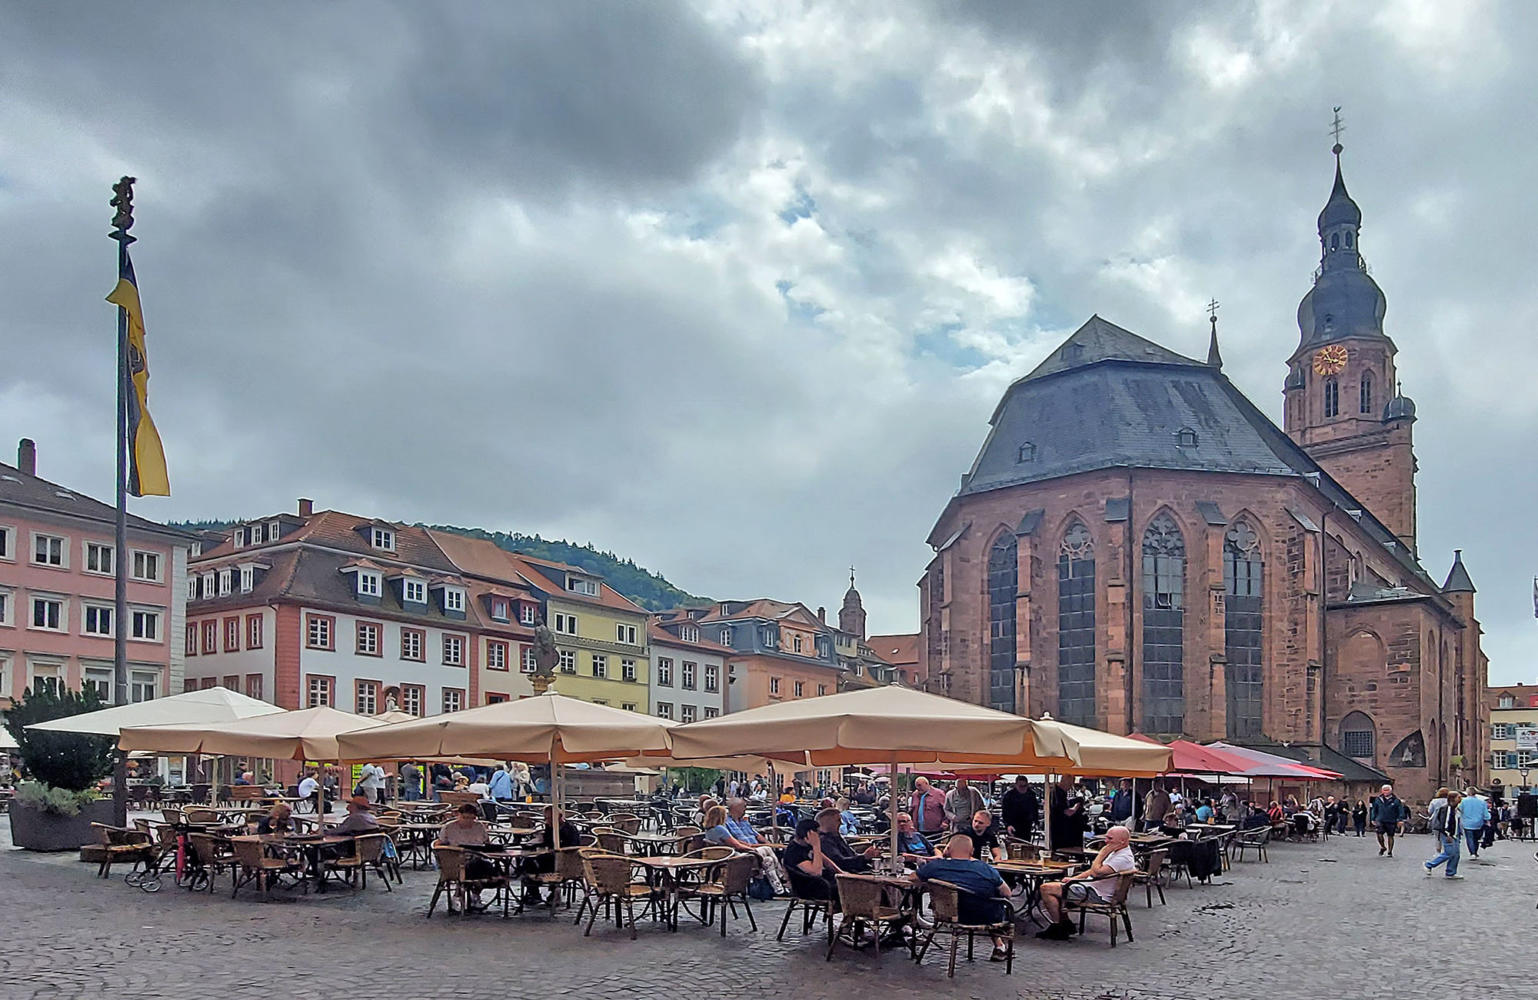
1251, 840
612, 841
945, 898
625, 822
608, 882
452, 880
1152, 876
210, 857
861, 905
367, 852
728, 887
1115, 908
119, 845
253, 864
565, 878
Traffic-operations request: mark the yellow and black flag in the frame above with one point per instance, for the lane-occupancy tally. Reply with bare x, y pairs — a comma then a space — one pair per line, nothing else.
146, 458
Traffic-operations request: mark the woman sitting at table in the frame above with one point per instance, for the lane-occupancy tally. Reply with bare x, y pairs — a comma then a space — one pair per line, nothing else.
467, 830
280, 819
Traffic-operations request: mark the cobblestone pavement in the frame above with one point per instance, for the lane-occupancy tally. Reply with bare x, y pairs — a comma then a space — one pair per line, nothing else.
1314, 910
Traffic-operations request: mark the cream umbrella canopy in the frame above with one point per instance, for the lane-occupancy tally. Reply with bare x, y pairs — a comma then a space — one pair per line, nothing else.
209, 705
549, 727
308, 734
890, 724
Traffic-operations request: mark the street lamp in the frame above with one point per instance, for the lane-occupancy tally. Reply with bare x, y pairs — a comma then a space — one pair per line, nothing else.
1523, 772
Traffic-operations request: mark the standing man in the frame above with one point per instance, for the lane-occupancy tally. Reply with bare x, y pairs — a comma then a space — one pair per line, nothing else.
1019, 807
1156, 805
1474, 814
1067, 828
960, 803
500, 787
371, 783
927, 808
1121, 802
411, 782
1387, 812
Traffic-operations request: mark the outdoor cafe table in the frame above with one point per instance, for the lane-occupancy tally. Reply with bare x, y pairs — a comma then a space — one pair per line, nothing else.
415, 844
509, 861
660, 843
311, 846
1034, 874
670, 874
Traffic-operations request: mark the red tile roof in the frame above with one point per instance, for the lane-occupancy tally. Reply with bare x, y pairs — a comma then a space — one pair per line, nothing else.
656, 633
898, 650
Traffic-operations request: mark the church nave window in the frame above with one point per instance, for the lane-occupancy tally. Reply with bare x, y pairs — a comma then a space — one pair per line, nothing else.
1164, 562
1076, 627
1242, 620
1002, 571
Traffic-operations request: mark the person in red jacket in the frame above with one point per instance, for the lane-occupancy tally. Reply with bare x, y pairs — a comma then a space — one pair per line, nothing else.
927, 807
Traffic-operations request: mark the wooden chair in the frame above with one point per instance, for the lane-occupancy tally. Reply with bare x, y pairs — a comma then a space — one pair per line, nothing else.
1113, 908
860, 903
1152, 877
945, 898
119, 845
1252, 840
728, 887
452, 879
252, 864
608, 882
367, 852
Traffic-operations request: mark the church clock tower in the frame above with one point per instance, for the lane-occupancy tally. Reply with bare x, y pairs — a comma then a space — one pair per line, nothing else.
1342, 401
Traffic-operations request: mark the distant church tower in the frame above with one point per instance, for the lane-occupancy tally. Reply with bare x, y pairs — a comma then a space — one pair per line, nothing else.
1342, 401
851, 617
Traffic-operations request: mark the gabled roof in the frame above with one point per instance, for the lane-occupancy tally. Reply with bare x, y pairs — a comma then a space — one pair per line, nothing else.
336, 529
896, 649
657, 634
1101, 340
767, 609
540, 574
42, 496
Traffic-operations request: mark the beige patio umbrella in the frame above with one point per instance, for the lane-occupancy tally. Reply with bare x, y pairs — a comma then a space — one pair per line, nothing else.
308, 734
882, 725
549, 727
209, 705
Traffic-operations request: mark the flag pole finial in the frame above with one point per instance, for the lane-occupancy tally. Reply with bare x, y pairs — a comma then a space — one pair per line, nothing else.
123, 201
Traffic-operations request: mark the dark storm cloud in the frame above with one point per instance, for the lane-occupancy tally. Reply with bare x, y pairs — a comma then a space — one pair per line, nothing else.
521, 265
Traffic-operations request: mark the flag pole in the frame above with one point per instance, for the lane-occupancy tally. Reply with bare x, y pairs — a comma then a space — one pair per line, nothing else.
121, 223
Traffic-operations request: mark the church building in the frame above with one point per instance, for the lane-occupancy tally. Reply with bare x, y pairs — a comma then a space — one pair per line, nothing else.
1138, 548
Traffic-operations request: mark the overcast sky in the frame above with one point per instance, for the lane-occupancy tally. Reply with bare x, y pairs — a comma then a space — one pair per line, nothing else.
732, 288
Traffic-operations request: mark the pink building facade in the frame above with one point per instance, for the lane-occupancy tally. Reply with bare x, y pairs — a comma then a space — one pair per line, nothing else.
57, 611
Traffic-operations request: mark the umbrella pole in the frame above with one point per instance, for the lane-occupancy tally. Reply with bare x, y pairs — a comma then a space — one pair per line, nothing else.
774, 804
555, 803
1046, 826
892, 809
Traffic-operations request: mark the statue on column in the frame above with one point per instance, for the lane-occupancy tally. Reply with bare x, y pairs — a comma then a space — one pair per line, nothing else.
546, 656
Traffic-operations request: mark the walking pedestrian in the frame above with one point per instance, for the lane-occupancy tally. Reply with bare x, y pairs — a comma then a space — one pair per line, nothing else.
1474, 814
1445, 827
1387, 813
1359, 818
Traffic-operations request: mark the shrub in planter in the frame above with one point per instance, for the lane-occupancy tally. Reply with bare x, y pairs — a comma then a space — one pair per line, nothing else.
54, 809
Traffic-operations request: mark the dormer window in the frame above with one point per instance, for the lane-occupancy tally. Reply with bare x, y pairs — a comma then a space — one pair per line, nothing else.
499, 610
247, 579
208, 586
1027, 453
413, 592
689, 633
368, 583
383, 538
225, 581
582, 585
1185, 438
726, 636
769, 638
527, 613
453, 599
274, 531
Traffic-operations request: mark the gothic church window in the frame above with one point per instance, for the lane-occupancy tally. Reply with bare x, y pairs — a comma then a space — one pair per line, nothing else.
1076, 627
1366, 392
1331, 397
1243, 614
1001, 623
1164, 562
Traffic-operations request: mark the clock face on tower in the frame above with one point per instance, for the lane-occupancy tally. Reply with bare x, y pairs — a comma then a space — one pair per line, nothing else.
1330, 360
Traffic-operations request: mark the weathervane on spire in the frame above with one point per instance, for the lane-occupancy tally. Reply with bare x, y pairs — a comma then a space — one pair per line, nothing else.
1336, 128
1214, 358
1212, 313
851, 575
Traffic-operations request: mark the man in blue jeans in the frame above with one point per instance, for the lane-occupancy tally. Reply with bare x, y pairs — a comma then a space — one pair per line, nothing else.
1445, 825
1474, 814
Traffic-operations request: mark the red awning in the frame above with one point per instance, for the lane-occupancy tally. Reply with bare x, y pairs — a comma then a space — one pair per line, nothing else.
1193, 758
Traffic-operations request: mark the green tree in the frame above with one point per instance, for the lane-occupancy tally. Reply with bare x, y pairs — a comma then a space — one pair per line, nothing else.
70, 761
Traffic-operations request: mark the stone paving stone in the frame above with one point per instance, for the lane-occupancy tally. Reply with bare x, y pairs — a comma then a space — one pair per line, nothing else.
1333, 909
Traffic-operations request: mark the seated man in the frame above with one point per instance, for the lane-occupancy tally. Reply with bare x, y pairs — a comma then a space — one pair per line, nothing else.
545, 863
985, 842
984, 899
309, 789
836, 850
359, 820
467, 830
911, 843
1098, 884
733, 830
811, 874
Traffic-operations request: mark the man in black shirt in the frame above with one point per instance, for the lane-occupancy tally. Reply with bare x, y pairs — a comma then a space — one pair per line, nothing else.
836, 849
805, 864
985, 842
1019, 807
1067, 816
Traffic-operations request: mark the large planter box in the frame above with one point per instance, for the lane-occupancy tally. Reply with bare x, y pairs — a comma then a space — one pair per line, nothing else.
36, 830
